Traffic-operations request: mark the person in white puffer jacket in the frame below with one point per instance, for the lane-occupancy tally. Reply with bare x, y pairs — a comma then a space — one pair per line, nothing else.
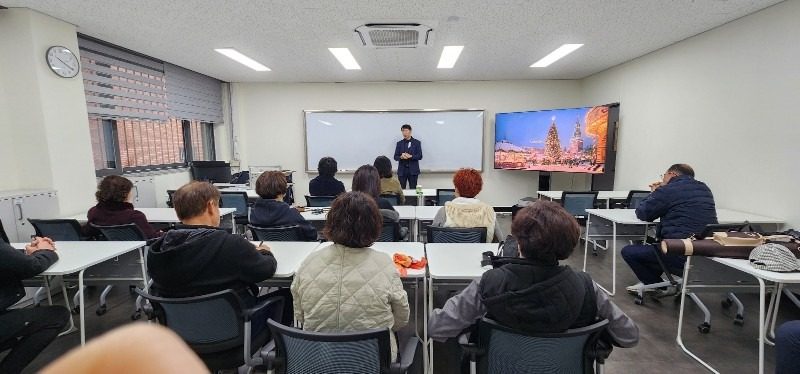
347, 286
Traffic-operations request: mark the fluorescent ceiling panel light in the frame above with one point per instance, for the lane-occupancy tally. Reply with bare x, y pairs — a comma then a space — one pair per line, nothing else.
449, 57
242, 59
345, 58
556, 55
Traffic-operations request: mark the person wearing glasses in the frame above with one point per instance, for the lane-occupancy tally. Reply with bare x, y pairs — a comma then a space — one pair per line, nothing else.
685, 206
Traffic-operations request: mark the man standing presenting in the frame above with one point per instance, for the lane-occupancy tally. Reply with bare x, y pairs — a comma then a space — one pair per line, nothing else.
408, 152
685, 206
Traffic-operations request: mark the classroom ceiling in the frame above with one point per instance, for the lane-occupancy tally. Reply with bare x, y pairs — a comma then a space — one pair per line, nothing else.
501, 38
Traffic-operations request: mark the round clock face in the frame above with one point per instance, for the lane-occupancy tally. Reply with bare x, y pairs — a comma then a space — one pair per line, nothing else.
63, 62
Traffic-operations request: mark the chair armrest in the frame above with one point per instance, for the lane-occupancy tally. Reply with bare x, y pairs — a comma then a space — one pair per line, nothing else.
470, 348
407, 354
248, 312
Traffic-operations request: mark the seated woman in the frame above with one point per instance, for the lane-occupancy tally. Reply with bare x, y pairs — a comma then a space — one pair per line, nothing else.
348, 286
325, 184
390, 185
271, 211
467, 211
114, 196
535, 294
367, 180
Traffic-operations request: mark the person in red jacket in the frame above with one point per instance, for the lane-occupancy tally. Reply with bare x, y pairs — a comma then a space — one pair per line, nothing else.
114, 196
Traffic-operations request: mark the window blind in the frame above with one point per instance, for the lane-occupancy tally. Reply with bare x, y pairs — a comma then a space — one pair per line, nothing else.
193, 96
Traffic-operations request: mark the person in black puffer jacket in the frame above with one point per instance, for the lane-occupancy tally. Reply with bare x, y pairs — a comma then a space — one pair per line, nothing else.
535, 293
271, 211
685, 206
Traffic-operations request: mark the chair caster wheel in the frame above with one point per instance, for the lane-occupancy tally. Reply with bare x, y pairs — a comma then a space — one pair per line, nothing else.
704, 328
638, 300
76, 310
738, 320
132, 289
101, 310
136, 315
726, 303
594, 253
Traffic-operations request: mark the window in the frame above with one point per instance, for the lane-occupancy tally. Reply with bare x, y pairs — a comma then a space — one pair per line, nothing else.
145, 114
200, 139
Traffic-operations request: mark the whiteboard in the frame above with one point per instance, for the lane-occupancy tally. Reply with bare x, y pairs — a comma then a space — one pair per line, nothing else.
451, 139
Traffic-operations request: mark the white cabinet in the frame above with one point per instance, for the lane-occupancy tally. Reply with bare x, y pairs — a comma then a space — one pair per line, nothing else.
144, 192
16, 207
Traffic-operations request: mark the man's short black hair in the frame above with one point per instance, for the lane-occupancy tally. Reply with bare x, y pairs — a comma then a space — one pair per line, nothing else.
327, 167
681, 169
406, 127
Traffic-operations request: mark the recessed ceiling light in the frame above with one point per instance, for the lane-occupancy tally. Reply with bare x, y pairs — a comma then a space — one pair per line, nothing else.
345, 58
449, 57
556, 55
242, 59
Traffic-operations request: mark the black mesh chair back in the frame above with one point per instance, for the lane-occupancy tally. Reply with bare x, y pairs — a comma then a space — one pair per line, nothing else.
212, 325
276, 234
237, 200
298, 351
319, 201
68, 230
510, 351
635, 197
121, 233
392, 199
170, 193
3, 235
444, 195
389, 231
456, 234
576, 203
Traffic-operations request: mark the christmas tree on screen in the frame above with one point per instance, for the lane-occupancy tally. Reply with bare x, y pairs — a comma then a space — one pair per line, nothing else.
552, 145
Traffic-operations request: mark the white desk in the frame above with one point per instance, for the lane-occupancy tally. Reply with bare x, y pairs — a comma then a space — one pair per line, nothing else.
601, 195
405, 212
625, 220
454, 261
163, 215
761, 275
289, 255
76, 257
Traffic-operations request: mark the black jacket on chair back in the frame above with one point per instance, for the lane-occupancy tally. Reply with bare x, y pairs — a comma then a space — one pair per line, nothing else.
536, 297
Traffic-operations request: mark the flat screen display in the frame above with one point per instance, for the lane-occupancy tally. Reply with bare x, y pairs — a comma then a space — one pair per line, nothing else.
571, 140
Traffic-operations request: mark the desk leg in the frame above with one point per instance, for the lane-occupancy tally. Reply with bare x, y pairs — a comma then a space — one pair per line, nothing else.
430, 311
679, 338
425, 362
761, 327
71, 328
772, 312
613, 259
233, 223
82, 307
586, 240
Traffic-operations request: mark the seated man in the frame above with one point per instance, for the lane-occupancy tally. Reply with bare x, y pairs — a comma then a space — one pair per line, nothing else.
685, 206
787, 347
27, 331
199, 258
536, 294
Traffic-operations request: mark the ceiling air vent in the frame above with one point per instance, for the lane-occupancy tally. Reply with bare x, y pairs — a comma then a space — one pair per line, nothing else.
394, 35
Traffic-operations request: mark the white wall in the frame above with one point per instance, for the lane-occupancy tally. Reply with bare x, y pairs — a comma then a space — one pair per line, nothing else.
45, 117
269, 118
724, 102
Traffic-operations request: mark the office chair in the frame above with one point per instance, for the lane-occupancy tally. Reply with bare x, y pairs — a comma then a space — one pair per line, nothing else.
68, 230
368, 351
237, 200
217, 326
634, 198
444, 195
3, 235
456, 234
276, 234
319, 201
500, 349
127, 267
392, 199
170, 193
576, 203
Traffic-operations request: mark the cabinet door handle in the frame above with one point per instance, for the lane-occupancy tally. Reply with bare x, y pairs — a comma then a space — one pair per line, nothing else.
21, 216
